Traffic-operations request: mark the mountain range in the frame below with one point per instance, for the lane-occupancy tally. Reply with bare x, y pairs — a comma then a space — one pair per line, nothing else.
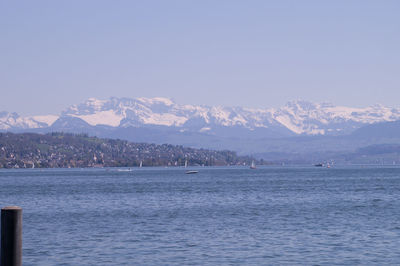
298, 127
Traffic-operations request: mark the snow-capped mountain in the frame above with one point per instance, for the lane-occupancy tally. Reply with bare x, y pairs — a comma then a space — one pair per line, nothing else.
296, 117
164, 112
303, 117
14, 121
299, 117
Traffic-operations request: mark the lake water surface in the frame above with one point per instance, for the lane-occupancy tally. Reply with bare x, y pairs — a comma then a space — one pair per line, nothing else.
153, 216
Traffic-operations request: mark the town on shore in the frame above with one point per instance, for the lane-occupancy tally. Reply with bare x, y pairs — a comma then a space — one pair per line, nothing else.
65, 150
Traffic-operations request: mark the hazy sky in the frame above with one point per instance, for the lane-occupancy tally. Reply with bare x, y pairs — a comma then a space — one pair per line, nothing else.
248, 53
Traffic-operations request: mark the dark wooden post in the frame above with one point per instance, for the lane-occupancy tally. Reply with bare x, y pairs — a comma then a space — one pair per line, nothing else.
11, 236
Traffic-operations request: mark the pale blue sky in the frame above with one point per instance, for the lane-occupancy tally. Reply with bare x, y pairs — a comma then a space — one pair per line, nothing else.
248, 53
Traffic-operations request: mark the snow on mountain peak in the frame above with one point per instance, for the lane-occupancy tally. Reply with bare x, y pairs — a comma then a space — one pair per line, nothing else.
46, 119
95, 102
304, 117
13, 120
156, 100
299, 116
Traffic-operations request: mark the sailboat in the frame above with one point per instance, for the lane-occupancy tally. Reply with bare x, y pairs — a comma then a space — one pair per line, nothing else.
253, 165
189, 171
141, 164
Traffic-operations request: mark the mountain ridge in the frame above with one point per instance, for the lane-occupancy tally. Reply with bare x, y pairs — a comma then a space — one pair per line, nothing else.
298, 129
297, 117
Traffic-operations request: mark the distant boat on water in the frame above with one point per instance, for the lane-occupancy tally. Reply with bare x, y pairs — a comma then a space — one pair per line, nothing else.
141, 164
253, 165
191, 172
327, 165
124, 170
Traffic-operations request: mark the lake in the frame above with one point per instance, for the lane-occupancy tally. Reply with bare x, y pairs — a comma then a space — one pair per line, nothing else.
153, 216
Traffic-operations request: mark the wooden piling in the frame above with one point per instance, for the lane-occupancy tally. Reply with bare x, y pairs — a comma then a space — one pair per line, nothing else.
11, 236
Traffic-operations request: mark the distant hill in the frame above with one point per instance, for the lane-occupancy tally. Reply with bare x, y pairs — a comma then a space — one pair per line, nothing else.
379, 130
374, 154
27, 150
371, 154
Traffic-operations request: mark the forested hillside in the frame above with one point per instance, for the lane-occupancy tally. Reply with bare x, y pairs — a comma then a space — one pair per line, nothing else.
30, 150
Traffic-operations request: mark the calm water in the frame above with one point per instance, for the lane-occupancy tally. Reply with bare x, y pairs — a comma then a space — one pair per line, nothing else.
219, 216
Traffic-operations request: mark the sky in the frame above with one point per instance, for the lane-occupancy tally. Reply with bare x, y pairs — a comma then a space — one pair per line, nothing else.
233, 53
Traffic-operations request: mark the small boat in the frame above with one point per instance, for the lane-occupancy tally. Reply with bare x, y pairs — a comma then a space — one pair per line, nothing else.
141, 164
191, 172
124, 170
319, 165
253, 165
